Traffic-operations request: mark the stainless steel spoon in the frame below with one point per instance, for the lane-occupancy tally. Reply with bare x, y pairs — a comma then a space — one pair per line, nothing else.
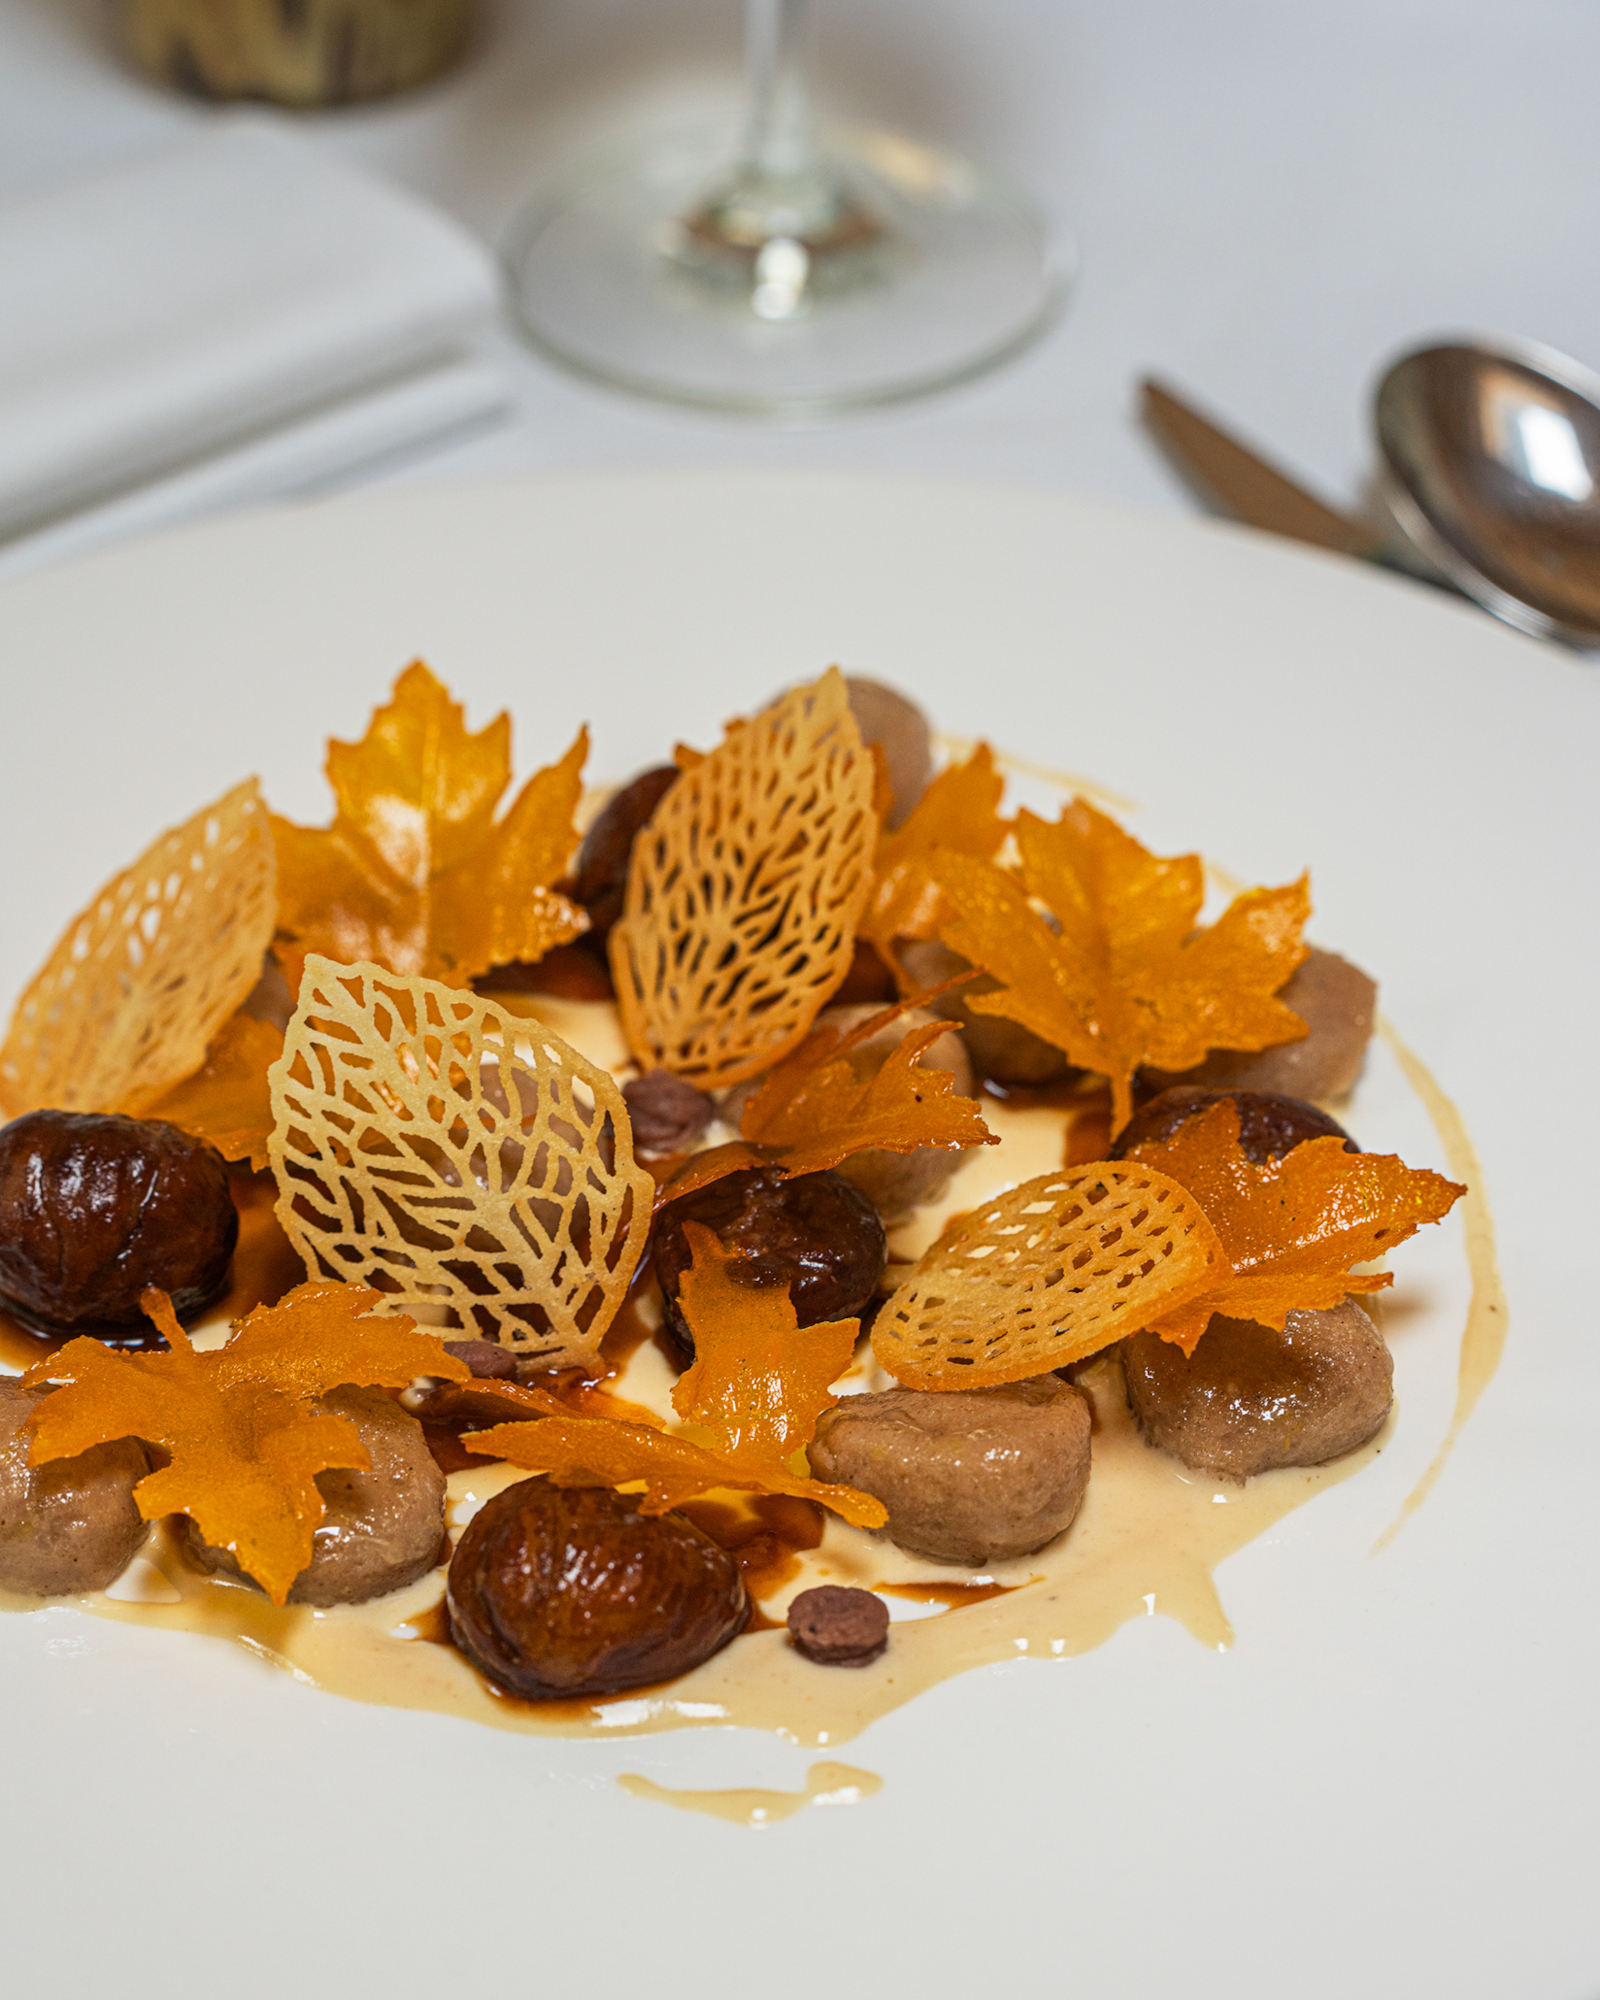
1488, 481
1491, 467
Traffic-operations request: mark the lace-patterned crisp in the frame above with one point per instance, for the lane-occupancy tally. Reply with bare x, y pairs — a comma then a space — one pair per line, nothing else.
140, 984
744, 892
463, 1161
1050, 1272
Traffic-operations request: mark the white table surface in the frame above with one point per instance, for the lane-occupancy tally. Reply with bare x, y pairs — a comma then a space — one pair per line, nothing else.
1269, 197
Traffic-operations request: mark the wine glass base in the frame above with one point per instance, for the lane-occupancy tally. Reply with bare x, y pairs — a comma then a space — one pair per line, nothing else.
610, 274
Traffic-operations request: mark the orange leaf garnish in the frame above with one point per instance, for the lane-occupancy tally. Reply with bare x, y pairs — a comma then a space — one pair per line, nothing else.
1291, 1227
228, 1101
959, 813
459, 1158
240, 1425
749, 1406
1129, 979
141, 983
744, 891
831, 1098
415, 874
759, 1382
1050, 1272
598, 1451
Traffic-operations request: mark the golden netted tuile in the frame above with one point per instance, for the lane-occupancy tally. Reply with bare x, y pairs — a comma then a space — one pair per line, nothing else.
140, 984
1050, 1272
461, 1160
744, 891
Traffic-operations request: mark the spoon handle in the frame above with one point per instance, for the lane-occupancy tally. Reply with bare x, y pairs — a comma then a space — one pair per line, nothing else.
1229, 476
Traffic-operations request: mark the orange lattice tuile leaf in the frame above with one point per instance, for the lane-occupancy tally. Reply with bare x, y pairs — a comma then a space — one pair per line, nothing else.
959, 813
462, 1159
1293, 1227
415, 874
228, 1101
745, 889
834, 1096
143, 980
1051, 1272
1129, 979
758, 1382
240, 1425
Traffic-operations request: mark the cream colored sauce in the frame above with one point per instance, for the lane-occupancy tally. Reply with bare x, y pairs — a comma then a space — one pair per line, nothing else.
1483, 1340
1145, 1544
826, 1785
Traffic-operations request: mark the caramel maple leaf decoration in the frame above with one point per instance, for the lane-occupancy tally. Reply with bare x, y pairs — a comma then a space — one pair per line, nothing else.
832, 1098
228, 1101
415, 874
244, 1438
1129, 979
749, 1407
1291, 1228
959, 813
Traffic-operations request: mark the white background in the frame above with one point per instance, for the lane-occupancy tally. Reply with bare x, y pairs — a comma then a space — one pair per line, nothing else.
1269, 196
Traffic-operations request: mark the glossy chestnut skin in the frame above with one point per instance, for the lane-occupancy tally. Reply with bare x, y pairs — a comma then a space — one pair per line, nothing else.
1270, 1124
94, 1207
560, 1592
600, 880
816, 1234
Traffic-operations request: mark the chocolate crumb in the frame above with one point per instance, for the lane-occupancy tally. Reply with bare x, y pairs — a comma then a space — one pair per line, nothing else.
487, 1362
839, 1627
668, 1114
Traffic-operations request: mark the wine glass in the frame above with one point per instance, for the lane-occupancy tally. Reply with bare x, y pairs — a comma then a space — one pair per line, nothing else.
797, 271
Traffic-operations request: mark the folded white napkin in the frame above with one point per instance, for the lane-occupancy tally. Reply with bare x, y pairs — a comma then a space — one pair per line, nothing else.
236, 317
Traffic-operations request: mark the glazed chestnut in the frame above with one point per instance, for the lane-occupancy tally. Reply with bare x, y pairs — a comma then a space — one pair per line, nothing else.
1270, 1124
555, 1593
816, 1234
600, 880
94, 1207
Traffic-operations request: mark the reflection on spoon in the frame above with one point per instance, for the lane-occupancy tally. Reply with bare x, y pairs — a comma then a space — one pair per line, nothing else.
826, 1785
1491, 453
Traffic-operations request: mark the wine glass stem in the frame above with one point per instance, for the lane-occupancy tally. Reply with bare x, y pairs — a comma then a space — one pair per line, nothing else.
778, 137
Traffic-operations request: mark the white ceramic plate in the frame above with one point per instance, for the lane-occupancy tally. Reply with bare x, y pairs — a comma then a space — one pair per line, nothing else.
1387, 1785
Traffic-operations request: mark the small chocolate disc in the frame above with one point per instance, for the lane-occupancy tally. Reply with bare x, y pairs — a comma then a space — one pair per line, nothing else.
838, 1627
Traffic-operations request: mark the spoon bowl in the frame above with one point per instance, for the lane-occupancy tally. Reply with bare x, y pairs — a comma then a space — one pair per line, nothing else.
1491, 467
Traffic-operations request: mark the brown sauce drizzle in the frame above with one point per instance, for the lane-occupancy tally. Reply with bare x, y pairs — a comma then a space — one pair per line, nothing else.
766, 1535
953, 1596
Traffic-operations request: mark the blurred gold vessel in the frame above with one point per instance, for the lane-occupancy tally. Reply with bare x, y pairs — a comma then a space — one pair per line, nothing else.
304, 53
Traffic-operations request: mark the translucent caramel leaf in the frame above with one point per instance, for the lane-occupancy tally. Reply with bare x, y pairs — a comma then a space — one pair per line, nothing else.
1128, 979
598, 1451
745, 889
834, 1096
749, 1405
758, 1382
1051, 1272
959, 813
1291, 1228
240, 1427
414, 874
143, 980
461, 1159
228, 1101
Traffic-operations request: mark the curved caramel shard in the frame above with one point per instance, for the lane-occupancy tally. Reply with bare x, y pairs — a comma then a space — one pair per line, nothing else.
145, 978
1050, 1272
744, 891
463, 1161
